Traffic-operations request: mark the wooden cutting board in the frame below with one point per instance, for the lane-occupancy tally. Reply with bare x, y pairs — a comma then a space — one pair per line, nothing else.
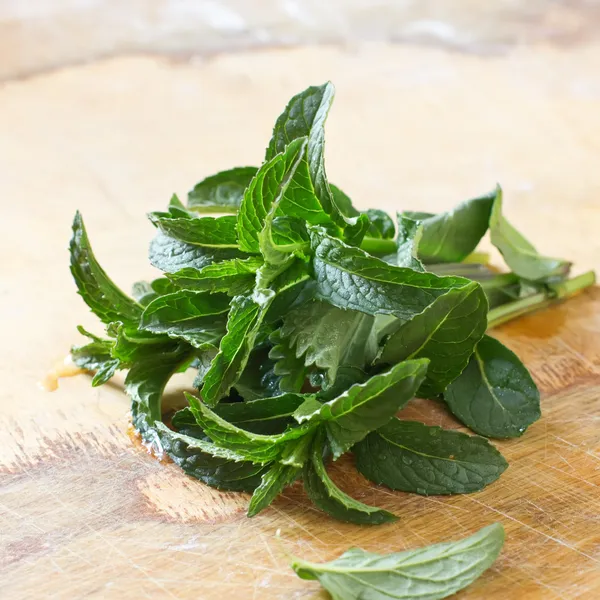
84, 511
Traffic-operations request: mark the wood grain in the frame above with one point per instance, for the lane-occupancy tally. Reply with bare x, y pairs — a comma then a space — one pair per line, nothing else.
87, 513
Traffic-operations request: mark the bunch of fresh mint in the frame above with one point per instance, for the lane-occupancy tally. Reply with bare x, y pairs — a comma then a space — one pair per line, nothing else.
310, 324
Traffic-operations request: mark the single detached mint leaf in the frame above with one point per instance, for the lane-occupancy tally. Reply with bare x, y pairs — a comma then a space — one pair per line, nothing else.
171, 255
274, 481
196, 317
446, 333
234, 276
222, 192
210, 232
348, 277
495, 395
521, 257
367, 406
412, 457
428, 573
330, 499
410, 233
98, 291
451, 236
328, 337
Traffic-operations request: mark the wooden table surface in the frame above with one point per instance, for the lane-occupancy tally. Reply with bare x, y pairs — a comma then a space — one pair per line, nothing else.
84, 513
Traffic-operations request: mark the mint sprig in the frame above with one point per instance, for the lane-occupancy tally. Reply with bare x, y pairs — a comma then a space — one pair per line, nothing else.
309, 324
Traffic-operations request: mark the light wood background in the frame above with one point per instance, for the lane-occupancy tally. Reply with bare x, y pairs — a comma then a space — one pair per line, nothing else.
84, 512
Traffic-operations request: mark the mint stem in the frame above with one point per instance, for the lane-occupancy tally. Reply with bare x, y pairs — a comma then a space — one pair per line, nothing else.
558, 292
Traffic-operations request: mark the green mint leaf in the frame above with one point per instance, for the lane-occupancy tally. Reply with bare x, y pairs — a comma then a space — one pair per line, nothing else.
222, 192
171, 255
210, 232
196, 317
220, 468
381, 225
410, 233
495, 395
343, 202
131, 345
273, 482
243, 324
98, 291
288, 367
367, 406
234, 277
349, 278
451, 236
258, 448
264, 415
264, 195
446, 333
328, 337
105, 372
294, 287
330, 499
521, 257
412, 457
145, 384
143, 293
428, 573
305, 116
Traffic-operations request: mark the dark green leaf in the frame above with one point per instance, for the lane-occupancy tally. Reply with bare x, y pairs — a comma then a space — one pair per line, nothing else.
348, 277
343, 202
145, 384
171, 255
243, 325
412, 457
255, 447
196, 317
131, 345
446, 333
522, 258
409, 236
210, 232
274, 481
222, 192
265, 196
221, 469
235, 276
429, 573
328, 337
381, 224
330, 499
305, 116
294, 287
288, 367
98, 291
366, 406
495, 395
451, 236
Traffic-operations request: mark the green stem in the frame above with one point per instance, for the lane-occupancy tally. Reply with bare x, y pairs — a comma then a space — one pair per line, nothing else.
378, 246
559, 291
